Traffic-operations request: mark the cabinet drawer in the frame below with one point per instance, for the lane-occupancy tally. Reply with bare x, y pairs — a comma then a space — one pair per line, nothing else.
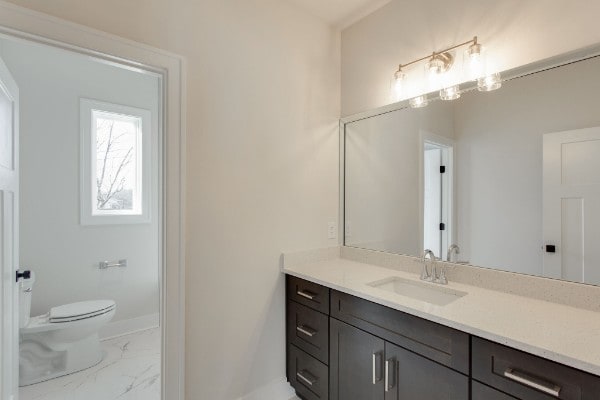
309, 330
528, 377
482, 392
307, 375
444, 345
309, 294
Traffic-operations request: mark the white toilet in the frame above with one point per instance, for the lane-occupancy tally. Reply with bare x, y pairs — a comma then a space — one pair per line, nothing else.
62, 341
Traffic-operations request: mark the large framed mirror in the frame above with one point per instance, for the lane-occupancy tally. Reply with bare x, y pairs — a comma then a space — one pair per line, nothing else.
508, 179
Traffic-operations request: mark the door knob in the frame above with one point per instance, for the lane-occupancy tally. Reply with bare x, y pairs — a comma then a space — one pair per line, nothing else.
23, 275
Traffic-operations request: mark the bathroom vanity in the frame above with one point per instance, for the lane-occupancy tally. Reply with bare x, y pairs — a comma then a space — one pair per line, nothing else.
350, 340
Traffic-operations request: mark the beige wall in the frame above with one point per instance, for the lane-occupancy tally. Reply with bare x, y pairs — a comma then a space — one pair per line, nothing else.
515, 32
263, 102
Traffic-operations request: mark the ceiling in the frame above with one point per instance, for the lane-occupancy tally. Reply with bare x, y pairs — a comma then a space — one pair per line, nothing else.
340, 13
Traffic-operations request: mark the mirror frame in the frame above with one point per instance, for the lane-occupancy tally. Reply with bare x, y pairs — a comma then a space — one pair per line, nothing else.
508, 75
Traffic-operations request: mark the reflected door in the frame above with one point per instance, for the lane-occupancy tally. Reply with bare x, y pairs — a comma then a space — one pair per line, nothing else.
9, 254
571, 205
437, 193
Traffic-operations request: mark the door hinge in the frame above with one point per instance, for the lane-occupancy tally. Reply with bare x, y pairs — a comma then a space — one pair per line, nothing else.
442, 226
22, 275
442, 169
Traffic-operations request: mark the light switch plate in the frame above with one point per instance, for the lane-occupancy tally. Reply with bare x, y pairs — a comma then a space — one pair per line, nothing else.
331, 230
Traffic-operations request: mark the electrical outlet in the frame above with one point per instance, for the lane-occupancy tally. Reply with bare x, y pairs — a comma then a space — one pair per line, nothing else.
331, 230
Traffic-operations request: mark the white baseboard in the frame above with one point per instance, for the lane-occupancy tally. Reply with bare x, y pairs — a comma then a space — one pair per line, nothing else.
279, 389
127, 326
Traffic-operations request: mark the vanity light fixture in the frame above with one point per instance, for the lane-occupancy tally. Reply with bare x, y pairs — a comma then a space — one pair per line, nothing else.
419, 101
489, 83
450, 93
438, 64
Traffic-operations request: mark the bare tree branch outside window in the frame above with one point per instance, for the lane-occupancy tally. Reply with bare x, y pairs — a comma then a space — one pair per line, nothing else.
115, 152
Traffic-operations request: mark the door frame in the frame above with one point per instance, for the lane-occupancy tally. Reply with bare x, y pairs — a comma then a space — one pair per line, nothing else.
26, 24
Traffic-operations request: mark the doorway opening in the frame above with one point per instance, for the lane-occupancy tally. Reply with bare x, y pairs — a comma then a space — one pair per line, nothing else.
89, 224
437, 184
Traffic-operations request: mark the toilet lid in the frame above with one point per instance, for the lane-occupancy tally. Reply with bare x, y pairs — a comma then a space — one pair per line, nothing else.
80, 310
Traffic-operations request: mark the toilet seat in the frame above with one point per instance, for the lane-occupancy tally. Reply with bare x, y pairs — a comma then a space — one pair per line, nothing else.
61, 320
81, 310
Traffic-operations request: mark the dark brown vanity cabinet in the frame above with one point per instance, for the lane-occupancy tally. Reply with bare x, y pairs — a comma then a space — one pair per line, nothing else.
365, 367
341, 347
307, 332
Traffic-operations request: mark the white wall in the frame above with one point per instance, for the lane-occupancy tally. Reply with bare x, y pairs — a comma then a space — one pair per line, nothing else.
64, 254
263, 103
516, 32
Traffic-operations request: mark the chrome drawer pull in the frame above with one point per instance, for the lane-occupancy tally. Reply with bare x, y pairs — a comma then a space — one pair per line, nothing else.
306, 294
306, 330
374, 367
535, 383
391, 361
306, 379
387, 375
375, 378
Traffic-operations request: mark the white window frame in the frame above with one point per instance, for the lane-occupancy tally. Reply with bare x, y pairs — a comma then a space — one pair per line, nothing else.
88, 164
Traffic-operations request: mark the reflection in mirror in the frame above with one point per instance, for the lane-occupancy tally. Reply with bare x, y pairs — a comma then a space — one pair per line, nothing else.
508, 179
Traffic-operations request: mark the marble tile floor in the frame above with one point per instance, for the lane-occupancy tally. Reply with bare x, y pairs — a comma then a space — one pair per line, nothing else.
130, 371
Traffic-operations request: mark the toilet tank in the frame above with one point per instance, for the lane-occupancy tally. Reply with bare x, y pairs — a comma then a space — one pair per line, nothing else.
25, 291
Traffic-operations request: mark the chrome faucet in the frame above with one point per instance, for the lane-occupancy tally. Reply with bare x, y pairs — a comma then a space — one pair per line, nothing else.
433, 277
425, 276
453, 249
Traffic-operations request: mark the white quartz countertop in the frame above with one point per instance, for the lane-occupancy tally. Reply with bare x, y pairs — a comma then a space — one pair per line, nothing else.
557, 332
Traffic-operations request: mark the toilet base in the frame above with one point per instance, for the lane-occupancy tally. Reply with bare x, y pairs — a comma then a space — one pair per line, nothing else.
41, 359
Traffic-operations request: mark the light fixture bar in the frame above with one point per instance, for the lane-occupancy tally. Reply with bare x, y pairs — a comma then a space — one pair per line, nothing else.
435, 53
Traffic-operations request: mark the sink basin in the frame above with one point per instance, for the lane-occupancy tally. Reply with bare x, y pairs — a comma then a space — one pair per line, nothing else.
427, 292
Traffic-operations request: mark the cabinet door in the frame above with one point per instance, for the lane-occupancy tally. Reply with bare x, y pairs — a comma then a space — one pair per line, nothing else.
356, 363
410, 376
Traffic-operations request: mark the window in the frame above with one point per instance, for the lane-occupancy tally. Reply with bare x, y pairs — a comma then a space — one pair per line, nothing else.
115, 163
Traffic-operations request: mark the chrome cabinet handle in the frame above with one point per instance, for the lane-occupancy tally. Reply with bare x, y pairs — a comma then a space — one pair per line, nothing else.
532, 382
306, 379
387, 375
308, 331
375, 378
306, 294
388, 387
374, 367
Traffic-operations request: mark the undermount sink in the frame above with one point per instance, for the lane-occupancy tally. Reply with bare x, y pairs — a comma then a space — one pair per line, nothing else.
427, 292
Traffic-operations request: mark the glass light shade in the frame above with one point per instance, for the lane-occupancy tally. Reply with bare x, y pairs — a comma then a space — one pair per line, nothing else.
474, 62
450, 93
438, 67
489, 83
419, 101
435, 66
396, 85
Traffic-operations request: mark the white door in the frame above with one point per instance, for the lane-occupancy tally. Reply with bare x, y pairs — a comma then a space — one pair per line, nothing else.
572, 205
9, 234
